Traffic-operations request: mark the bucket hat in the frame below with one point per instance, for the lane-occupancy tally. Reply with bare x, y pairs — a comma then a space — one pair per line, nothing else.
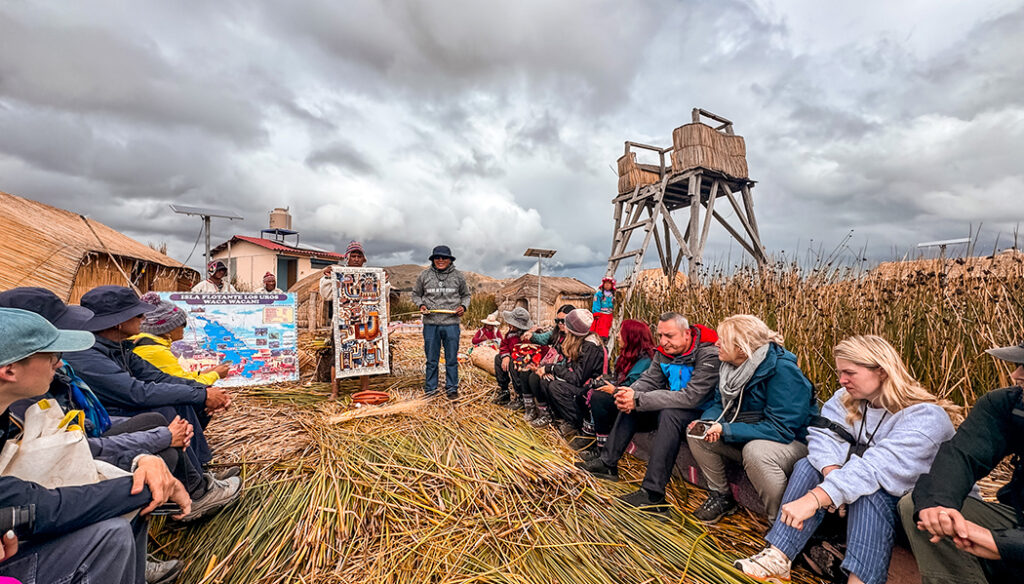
492, 319
441, 251
47, 305
519, 318
112, 305
1013, 354
24, 333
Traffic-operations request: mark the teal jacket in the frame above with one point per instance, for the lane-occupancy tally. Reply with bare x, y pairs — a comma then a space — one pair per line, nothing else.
778, 403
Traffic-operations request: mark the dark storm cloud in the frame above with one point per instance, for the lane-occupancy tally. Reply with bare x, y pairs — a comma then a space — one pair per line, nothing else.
491, 127
342, 156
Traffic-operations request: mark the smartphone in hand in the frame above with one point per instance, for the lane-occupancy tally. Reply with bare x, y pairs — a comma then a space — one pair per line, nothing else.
699, 429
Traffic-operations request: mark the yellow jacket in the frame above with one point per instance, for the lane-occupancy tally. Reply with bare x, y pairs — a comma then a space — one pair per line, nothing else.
161, 357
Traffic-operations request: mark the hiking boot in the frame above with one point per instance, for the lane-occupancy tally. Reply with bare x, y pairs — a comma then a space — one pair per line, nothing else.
582, 441
501, 399
565, 429
452, 395
158, 572
647, 501
717, 506
219, 494
599, 469
542, 419
590, 453
227, 473
768, 565
530, 413
515, 404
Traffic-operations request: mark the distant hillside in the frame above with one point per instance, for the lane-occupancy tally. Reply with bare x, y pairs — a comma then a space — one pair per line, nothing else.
402, 278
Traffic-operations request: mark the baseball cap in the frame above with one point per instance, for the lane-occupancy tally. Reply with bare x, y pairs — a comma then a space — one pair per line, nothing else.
24, 333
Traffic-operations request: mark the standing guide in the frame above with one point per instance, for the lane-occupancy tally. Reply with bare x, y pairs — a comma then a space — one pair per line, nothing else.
443, 296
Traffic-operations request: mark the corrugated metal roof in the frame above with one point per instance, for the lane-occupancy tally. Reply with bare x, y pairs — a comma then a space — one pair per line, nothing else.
275, 246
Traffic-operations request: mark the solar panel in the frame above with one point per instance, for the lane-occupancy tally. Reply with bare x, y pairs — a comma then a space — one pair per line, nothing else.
539, 253
204, 212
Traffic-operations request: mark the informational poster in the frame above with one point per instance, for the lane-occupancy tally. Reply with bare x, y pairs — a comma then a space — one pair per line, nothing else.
255, 332
360, 321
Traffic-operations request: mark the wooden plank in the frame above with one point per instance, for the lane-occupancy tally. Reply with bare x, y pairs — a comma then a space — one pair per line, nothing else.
683, 248
748, 203
746, 225
710, 205
739, 238
622, 256
692, 230
633, 226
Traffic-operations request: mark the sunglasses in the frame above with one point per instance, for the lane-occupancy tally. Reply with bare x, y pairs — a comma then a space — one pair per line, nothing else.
559, 321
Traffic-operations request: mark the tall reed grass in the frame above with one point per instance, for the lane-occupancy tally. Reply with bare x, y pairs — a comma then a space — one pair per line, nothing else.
941, 316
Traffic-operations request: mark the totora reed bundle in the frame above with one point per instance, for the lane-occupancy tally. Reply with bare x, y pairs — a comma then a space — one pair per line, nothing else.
434, 492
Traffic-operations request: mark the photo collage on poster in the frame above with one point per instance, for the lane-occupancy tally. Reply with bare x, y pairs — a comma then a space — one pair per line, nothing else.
255, 332
360, 322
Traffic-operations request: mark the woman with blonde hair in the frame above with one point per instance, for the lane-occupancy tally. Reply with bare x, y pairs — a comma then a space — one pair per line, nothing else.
875, 436
759, 416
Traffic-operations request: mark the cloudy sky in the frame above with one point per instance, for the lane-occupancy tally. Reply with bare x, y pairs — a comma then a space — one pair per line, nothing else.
495, 126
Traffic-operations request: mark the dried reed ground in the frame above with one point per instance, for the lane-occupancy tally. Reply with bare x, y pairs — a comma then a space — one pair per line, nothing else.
441, 493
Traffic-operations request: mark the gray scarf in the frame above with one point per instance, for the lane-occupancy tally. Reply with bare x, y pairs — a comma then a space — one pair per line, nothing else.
732, 380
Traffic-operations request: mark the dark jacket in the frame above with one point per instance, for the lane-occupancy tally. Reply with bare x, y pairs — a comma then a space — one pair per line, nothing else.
65, 509
445, 290
993, 430
118, 450
126, 382
683, 381
590, 364
778, 403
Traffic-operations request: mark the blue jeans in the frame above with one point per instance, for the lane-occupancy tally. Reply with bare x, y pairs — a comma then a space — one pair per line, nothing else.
434, 336
871, 524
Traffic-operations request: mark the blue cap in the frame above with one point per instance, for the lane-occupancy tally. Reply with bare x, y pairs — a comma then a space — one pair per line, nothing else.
47, 305
112, 305
24, 333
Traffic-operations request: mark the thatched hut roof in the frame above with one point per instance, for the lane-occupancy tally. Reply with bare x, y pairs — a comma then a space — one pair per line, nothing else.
1009, 262
551, 288
655, 280
45, 246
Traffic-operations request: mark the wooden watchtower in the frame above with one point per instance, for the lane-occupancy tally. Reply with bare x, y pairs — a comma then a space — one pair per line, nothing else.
706, 162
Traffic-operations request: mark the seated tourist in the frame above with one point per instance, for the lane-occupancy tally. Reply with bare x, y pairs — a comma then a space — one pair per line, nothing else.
533, 399
875, 436
162, 326
670, 394
75, 534
505, 370
116, 441
489, 332
957, 537
759, 417
127, 384
636, 351
565, 384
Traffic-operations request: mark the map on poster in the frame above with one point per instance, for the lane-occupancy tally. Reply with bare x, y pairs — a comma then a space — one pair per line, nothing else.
360, 321
256, 332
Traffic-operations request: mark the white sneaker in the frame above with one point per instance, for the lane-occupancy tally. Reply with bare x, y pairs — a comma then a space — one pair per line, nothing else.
220, 494
768, 565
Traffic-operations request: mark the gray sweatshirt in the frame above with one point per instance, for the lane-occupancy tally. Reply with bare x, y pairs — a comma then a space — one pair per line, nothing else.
445, 290
901, 450
683, 381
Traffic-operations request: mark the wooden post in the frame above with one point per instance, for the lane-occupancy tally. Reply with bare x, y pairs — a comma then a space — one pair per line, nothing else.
334, 383
692, 231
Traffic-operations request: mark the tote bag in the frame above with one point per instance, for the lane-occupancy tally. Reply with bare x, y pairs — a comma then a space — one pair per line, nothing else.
53, 450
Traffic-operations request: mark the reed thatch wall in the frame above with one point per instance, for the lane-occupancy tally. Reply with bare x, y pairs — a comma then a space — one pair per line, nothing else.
69, 254
632, 174
701, 146
554, 292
